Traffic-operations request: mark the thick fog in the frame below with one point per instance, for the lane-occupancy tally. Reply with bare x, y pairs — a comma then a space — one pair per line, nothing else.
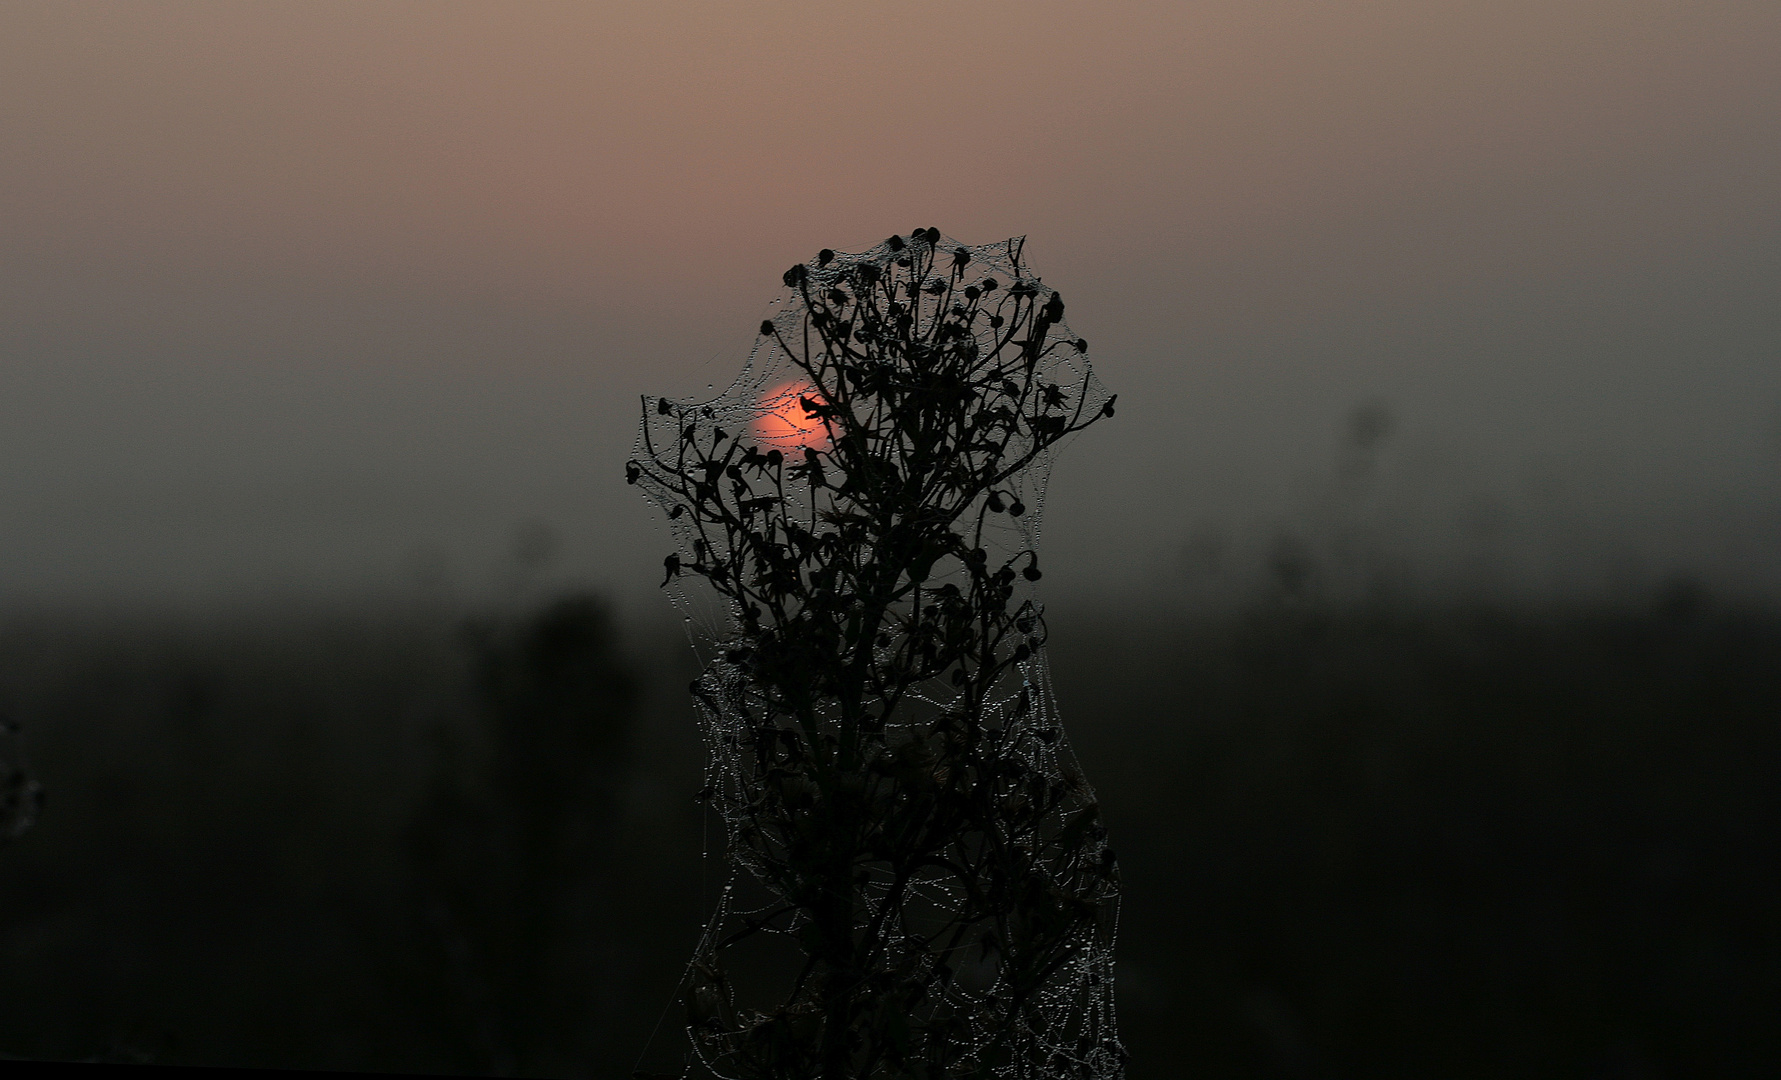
1415, 617
321, 301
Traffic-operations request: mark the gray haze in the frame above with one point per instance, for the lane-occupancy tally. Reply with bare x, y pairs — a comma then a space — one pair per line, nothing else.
323, 301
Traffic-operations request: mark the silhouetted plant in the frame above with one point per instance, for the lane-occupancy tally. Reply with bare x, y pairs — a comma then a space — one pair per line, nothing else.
511, 843
926, 888
21, 796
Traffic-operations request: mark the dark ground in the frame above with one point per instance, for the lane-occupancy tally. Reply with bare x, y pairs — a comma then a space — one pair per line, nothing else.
1459, 842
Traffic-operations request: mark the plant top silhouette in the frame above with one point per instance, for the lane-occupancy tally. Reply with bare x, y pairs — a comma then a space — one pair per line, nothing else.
921, 885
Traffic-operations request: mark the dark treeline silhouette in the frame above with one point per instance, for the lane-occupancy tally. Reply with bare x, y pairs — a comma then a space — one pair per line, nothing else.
1357, 841
385, 843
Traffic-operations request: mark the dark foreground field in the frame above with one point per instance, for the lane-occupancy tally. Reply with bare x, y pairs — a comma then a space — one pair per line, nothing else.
1357, 843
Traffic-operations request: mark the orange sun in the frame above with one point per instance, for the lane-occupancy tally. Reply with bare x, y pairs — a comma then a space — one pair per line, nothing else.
783, 421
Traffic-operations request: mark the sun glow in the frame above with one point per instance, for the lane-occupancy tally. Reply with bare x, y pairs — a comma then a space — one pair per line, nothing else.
783, 420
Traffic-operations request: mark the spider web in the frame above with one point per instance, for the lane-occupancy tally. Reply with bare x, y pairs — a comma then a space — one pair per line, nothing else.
1067, 1029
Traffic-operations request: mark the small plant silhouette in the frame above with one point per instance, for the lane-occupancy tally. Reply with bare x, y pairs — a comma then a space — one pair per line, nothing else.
922, 885
21, 796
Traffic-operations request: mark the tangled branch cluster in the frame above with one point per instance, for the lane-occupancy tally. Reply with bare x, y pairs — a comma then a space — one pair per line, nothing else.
922, 885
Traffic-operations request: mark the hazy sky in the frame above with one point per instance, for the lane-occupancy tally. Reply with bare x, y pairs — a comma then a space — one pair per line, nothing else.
335, 297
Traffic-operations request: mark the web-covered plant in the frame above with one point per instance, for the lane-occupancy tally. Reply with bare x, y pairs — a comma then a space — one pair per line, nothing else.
920, 885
